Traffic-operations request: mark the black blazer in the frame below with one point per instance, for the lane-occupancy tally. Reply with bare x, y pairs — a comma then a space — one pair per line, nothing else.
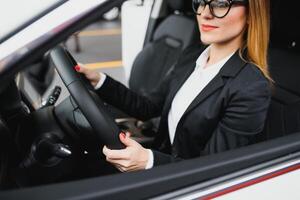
227, 113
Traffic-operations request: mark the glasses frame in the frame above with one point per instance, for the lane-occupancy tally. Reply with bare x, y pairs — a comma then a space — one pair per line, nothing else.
231, 2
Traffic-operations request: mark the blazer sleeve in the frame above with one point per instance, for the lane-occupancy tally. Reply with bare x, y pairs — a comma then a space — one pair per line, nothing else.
244, 117
132, 103
160, 158
138, 106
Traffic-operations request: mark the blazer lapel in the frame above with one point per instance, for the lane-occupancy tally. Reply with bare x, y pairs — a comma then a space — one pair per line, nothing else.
163, 140
211, 87
182, 77
230, 69
189, 69
187, 66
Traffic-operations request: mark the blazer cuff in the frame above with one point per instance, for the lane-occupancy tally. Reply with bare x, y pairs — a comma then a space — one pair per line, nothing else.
107, 87
162, 158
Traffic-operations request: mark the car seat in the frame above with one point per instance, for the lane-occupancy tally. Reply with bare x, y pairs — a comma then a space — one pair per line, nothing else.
283, 116
176, 32
173, 34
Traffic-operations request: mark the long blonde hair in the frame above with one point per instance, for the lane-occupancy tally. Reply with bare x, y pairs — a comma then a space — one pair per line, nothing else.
257, 34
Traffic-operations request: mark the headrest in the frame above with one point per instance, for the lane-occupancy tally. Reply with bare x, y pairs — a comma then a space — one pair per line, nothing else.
179, 28
284, 66
180, 5
285, 32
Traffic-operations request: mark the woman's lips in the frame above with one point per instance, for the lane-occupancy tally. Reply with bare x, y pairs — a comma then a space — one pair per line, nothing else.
206, 27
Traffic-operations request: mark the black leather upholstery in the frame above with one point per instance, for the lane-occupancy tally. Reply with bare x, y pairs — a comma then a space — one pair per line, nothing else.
284, 64
285, 17
40, 74
178, 27
180, 5
174, 34
284, 112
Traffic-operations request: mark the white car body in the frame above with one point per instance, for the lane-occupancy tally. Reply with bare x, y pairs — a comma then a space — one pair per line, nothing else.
279, 180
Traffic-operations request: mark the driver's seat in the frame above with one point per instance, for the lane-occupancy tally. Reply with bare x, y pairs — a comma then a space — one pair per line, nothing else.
176, 32
173, 34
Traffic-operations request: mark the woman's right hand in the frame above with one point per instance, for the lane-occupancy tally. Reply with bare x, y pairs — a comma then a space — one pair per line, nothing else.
93, 76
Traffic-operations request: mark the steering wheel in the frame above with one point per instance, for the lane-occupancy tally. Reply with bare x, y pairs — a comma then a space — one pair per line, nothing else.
106, 130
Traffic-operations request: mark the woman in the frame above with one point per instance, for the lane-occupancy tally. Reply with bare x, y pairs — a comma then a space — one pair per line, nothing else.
217, 97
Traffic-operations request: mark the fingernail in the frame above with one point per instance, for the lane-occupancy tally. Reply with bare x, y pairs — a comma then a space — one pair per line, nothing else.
123, 135
77, 67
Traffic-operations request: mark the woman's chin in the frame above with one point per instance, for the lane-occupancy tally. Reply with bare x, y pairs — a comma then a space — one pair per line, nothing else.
206, 41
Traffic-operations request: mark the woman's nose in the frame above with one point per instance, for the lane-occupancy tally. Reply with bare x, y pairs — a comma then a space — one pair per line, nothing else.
206, 13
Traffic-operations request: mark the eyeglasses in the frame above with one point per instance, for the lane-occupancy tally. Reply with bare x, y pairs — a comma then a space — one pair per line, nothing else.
218, 8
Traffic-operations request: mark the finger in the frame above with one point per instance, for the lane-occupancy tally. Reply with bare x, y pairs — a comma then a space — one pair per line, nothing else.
105, 150
121, 163
126, 140
82, 68
93, 76
128, 134
78, 68
132, 169
118, 167
129, 169
122, 154
124, 165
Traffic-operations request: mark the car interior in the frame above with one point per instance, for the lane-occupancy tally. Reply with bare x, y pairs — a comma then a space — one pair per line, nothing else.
31, 149
171, 35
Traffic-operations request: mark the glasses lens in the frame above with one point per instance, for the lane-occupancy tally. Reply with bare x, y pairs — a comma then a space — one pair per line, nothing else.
198, 6
220, 7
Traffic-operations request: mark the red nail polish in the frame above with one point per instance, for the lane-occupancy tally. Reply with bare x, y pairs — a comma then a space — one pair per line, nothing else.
123, 135
77, 67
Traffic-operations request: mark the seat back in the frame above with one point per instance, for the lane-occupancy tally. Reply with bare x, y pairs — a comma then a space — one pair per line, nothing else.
173, 34
284, 112
284, 64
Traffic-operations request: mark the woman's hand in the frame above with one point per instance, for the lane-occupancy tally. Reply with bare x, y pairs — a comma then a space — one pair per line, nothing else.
134, 157
93, 76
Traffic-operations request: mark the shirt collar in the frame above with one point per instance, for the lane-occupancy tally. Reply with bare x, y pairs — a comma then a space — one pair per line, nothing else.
202, 60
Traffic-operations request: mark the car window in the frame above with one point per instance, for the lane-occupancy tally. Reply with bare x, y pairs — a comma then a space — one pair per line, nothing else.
55, 20
14, 13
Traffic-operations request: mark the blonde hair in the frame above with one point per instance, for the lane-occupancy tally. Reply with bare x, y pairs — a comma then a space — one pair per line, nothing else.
257, 35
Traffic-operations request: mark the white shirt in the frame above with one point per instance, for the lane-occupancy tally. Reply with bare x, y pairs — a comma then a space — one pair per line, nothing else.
192, 87
187, 93
101, 81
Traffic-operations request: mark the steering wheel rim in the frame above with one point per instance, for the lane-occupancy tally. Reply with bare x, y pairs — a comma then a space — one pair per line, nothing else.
104, 126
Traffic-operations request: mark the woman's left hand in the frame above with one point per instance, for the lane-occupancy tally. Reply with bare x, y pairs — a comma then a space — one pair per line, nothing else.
134, 157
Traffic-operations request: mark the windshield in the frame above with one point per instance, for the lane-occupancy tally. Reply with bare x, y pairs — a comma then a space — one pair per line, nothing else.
15, 13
